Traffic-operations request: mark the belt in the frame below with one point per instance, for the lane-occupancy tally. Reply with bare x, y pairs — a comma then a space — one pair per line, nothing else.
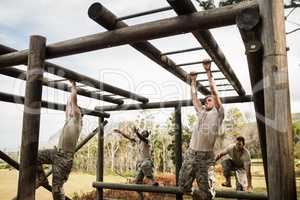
63, 151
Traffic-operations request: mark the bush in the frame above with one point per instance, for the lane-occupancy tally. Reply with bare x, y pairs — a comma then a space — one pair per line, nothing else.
5, 166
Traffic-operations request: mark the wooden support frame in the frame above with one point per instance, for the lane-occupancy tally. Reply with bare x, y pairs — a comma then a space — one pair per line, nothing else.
72, 75
100, 160
157, 29
176, 190
178, 146
11, 98
278, 122
108, 20
248, 22
31, 118
207, 41
170, 104
20, 74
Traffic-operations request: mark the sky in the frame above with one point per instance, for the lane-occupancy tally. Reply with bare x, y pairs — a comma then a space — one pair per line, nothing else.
122, 66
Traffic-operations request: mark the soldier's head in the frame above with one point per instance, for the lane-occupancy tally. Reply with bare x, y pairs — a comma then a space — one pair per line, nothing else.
209, 102
145, 133
240, 142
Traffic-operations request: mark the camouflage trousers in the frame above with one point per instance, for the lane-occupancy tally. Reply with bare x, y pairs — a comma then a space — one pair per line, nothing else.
61, 167
198, 165
228, 166
145, 169
206, 4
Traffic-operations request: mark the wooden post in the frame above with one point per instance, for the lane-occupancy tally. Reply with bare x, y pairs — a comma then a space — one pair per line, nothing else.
100, 161
31, 118
278, 121
248, 22
178, 146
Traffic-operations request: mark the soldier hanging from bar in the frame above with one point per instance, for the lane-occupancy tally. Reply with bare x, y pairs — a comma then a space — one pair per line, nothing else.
199, 160
61, 157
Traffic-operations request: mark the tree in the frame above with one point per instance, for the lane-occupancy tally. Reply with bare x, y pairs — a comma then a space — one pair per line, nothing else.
186, 133
234, 122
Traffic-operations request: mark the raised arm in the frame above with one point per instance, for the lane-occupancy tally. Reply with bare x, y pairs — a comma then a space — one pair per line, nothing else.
212, 84
72, 106
139, 135
124, 135
197, 104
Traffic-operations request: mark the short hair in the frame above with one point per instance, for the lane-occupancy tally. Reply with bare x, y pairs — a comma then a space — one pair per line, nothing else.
206, 97
145, 133
241, 139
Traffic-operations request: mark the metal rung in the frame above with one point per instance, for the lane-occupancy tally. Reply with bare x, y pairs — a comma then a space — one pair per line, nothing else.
191, 63
216, 79
145, 13
182, 51
227, 90
219, 85
213, 71
109, 95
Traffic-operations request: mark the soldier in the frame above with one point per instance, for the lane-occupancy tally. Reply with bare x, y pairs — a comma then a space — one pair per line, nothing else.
239, 161
61, 157
144, 163
199, 159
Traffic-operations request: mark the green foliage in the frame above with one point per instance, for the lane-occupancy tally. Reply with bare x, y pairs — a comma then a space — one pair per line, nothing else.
186, 134
296, 133
234, 122
5, 166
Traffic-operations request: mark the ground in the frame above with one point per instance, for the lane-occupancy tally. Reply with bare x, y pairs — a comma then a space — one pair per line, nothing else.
81, 183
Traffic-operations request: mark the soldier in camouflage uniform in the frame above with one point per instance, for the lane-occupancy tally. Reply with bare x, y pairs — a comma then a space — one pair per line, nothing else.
61, 157
199, 159
144, 164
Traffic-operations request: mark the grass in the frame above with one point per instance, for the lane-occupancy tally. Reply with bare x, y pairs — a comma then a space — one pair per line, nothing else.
79, 184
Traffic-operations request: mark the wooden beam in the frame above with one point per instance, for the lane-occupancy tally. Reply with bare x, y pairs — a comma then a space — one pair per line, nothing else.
31, 119
11, 98
248, 22
108, 20
21, 74
100, 160
171, 104
72, 75
176, 190
178, 146
224, 16
279, 137
207, 41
